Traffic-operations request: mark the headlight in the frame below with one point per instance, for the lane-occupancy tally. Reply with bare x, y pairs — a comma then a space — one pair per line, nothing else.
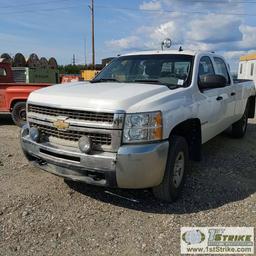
143, 127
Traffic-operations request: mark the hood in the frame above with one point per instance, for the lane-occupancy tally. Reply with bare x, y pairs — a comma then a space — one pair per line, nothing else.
96, 96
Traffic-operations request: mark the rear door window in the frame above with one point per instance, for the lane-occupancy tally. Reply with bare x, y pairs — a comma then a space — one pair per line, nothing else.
221, 68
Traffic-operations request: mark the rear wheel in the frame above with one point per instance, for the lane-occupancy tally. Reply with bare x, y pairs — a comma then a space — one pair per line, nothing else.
240, 127
176, 168
19, 113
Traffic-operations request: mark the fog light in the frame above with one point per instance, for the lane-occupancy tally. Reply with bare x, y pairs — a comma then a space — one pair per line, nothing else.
85, 144
24, 131
34, 134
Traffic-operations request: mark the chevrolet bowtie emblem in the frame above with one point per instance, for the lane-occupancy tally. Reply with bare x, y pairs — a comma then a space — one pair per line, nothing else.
61, 124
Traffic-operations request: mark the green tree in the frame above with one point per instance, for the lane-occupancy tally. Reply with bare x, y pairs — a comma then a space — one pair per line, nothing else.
75, 69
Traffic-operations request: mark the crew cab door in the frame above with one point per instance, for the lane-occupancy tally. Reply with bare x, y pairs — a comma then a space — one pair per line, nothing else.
213, 109
231, 90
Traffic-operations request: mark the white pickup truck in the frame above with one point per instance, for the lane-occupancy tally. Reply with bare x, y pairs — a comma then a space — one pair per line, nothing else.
139, 122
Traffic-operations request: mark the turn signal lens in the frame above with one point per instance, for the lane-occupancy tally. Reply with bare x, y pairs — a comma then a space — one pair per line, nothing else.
157, 131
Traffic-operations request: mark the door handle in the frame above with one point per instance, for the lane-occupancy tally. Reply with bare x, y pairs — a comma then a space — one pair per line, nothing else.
233, 94
219, 98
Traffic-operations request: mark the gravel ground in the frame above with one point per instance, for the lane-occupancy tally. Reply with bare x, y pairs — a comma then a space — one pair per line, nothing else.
40, 214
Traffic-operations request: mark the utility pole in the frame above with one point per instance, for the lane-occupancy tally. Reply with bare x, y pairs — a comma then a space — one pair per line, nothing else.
92, 29
85, 51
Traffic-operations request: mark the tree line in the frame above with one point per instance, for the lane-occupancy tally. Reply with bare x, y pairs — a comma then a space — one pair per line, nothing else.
76, 69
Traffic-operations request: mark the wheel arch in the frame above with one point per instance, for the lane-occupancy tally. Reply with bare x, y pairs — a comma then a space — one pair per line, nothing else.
17, 100
191, 130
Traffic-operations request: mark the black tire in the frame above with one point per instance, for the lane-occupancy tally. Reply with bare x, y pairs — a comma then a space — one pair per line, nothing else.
169, 190
19, 113
240, 127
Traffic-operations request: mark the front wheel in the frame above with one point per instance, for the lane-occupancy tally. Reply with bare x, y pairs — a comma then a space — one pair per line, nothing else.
175, 172
19, 113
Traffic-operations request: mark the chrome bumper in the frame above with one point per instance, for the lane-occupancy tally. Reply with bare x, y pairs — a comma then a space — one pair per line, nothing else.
133, 166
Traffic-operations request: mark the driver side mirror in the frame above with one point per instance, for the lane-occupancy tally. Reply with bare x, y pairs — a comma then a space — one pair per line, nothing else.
212, 82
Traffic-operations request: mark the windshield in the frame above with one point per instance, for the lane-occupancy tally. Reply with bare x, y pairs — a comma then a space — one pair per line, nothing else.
170, 70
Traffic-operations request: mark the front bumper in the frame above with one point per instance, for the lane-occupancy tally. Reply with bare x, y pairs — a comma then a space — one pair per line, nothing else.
133, 166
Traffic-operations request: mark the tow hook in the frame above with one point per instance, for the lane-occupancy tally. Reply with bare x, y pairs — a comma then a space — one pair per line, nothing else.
95, 176
41, 162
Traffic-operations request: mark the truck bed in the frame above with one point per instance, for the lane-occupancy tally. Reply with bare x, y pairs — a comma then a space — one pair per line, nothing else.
239, 81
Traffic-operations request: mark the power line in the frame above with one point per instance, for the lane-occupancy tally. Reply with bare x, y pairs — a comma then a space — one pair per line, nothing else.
128, 9
170, 11
219, 1
33, 4
40, 10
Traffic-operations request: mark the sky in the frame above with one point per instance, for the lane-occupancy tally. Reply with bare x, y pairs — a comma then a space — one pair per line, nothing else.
61, 28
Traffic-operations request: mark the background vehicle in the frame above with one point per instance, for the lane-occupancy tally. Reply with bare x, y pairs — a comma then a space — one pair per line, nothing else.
33, 69
13, 96
89, 73
64, 79
139, 122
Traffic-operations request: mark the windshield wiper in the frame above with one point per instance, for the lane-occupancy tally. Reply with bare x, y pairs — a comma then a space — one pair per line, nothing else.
147, 81
151, 81
155, 81
102, 80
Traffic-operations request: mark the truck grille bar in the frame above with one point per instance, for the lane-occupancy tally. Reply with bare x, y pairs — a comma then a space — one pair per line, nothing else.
97, 138
73, 114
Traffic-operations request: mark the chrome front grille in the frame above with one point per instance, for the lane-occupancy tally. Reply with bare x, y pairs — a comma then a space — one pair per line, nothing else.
71, 135
73, 114
104, 129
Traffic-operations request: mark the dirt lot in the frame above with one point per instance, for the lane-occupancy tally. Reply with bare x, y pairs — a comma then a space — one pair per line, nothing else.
40, 214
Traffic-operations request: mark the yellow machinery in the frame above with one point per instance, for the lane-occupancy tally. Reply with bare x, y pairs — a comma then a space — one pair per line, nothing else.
89, 74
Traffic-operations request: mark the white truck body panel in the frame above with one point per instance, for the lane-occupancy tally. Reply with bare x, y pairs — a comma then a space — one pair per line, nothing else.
176, 105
